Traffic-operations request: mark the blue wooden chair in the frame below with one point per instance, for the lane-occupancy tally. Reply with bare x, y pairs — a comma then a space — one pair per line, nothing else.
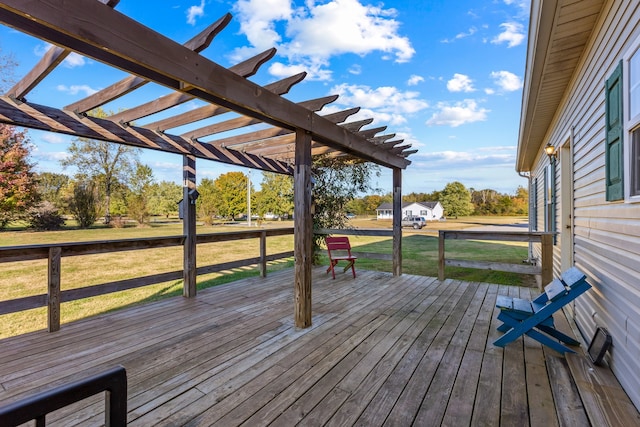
535, 318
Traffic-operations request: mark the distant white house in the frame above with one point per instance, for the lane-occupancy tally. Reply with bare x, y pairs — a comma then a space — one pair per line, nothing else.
431, 211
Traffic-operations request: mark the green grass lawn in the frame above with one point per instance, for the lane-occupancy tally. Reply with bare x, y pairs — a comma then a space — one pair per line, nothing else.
20, 279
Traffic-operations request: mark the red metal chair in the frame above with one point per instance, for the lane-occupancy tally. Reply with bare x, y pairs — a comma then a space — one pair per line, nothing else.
339, 249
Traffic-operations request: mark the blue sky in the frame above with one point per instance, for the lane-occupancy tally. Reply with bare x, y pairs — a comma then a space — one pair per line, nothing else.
445, 76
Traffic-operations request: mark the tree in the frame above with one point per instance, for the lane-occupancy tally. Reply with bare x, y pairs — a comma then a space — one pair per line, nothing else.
18, 183
231, 192
206, 205
276, 195
456, 200
337, 181
105, 162
138, 197
7, 67
50, 187
82, 203
164, 197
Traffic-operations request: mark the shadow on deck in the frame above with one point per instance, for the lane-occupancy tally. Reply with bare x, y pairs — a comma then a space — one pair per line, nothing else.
382, 350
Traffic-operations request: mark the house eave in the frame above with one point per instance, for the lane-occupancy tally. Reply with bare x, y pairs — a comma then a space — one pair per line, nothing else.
559, 31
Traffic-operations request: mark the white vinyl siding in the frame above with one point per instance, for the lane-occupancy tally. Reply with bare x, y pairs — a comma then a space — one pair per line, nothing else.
606, 233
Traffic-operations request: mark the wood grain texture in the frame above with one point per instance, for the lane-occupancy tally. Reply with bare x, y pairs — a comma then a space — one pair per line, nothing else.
382, 349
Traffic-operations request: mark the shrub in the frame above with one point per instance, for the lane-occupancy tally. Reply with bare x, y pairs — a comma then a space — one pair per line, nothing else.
83, 205
45, 217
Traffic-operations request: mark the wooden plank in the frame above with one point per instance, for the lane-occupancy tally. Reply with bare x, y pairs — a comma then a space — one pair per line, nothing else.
240, 122
189, 197
538, 381
49, 61
53, 293
397, 222
436, 400
569, 407
51, 119
129, 48
441, 255
605, 401
498, 266
353, 232
245, 69
130, 83
303, 235
279, 87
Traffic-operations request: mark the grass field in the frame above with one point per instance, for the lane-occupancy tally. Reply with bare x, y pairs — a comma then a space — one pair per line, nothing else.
19, 279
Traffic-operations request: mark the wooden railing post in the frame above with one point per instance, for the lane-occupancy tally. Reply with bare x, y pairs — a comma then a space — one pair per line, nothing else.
263, 253
53, 291
441, 235
546, 272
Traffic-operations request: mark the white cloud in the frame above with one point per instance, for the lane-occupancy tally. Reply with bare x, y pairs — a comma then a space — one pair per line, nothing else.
355, 69
53, 138
460, 113
54, 156
195, 12
75, 89
315, 71
314, 33
384, 99
513, 34
460, 83
506, 80
71, 61
460, 161
463, 35
74, 60
258, 21
414, 80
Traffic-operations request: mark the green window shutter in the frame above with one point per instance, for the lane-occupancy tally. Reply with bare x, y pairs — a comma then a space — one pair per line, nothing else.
613, 126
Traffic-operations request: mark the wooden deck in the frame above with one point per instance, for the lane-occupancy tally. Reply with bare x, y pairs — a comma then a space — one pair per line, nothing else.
382, 350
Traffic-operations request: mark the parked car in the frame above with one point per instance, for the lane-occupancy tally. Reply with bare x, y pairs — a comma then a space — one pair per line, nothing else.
417, 222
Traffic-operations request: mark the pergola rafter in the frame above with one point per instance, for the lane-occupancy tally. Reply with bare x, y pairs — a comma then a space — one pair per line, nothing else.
295, 131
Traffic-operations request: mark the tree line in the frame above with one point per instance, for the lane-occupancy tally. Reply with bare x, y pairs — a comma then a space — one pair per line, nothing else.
456, 200
111, 183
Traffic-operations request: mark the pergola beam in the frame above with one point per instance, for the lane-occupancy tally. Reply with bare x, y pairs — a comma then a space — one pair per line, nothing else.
240, 122
279, 88
245, 69
126, 44
49, 61
130, 83
54, 120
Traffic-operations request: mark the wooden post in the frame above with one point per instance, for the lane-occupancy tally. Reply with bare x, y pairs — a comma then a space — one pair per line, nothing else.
189, 196
546, 274
263, 253
303, 229
441, 236
397, 222
53, 291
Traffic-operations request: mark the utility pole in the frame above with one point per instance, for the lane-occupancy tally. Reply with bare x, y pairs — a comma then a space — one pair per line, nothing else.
249, 199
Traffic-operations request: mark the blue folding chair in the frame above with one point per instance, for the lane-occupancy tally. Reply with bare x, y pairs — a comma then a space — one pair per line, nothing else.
535, 318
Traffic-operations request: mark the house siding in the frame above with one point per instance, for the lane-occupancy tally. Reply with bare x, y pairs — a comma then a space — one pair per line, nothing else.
606, 234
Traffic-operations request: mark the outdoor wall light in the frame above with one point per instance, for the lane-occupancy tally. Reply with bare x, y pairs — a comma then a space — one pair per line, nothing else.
551, 151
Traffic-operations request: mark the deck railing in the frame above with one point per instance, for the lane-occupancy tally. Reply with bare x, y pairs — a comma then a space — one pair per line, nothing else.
113, 382
54, 253
544, 269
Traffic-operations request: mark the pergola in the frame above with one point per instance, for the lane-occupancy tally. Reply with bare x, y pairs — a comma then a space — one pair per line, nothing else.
294, 134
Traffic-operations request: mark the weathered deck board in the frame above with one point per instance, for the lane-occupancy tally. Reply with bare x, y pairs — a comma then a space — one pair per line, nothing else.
382, 350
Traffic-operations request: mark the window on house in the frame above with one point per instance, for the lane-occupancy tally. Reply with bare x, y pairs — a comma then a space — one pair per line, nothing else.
548, 198
534, 204
634, 123
631, 71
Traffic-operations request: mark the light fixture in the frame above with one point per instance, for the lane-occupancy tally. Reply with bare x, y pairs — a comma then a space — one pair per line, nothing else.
551, 151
